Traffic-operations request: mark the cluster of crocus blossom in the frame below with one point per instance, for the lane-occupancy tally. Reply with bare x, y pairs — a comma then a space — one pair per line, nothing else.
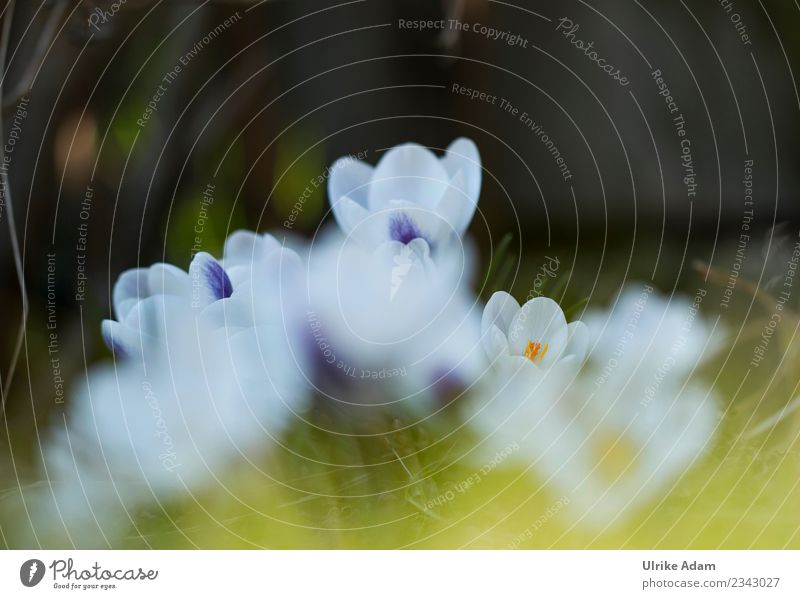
213, 366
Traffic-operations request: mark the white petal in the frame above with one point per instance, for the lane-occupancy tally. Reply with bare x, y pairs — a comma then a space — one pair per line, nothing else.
578, 341
495, 343
231, 313
462, 155
393, 253
417, 222
410, 173
540, 320
130, 287
242, 246
123, 341
349, 177
282, 266
685, 428
279, 286
270, 244
456, 206
500, 311
150, 317
239, 274
168, 280
398, 270
349, 214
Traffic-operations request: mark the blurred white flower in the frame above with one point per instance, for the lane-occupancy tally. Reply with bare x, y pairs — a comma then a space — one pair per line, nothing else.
410, 195
392, 293
205, 378
256, 278
393, 308
146, 299
619, 432
644, 331
268, 282
536, 334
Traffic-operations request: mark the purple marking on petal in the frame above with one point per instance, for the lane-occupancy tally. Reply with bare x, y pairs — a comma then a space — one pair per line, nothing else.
217, 280
402, 228
116, 348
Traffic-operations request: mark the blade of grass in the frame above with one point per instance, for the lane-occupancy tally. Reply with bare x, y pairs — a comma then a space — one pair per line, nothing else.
575, 307
496, 258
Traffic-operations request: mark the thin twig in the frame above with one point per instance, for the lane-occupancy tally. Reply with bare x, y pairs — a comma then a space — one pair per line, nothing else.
721, 279
46, 38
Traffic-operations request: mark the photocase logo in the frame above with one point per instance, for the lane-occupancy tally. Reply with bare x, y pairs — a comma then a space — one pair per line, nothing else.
31, 572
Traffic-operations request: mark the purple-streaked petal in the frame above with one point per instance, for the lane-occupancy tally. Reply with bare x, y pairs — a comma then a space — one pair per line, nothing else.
211, 277
114, 338
403, 228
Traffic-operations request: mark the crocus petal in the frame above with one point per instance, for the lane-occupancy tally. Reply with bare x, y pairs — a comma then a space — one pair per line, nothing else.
242, 247
399, 269
577, 341
349, 177
129, 288
495, 343
281, 278
685, 431
456, 206
408, 172
232, 314
500, 311
388, 254
151, 317
462, 156
243, 251
209, 280
167, 279
540, 320
119, 339
349, 214
403, 227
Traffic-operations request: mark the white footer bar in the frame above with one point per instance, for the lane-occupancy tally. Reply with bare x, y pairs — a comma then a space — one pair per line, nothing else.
389, 574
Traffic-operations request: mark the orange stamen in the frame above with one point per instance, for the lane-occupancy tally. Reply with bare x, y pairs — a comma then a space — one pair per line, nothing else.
535, 353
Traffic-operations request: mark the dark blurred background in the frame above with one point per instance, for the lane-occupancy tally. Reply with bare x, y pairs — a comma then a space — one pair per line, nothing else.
270, 93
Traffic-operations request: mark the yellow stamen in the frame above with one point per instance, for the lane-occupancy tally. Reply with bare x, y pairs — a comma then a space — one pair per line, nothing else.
535, 353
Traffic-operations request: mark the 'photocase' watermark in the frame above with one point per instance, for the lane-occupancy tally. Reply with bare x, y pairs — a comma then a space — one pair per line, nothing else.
168, 457
100, 16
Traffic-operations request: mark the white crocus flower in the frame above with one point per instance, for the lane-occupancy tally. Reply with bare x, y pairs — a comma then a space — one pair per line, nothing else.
648, 331
410, 195
617, 434
391, 293
537, 333
239, 291
200, 384
391, 309
146, 299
